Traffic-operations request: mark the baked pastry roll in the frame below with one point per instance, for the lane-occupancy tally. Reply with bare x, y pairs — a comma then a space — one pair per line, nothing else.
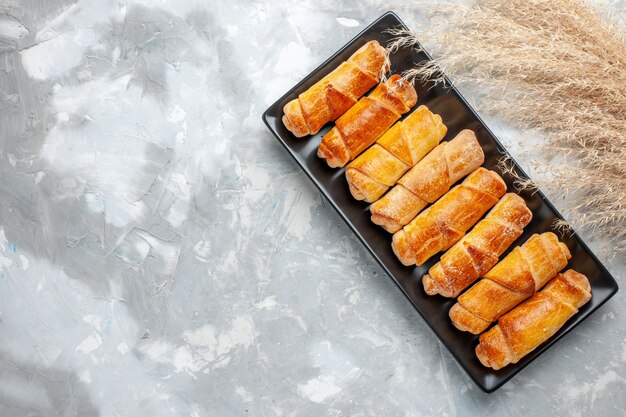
366, 121
431, 178
480, 249
334, 94
445, 222
401, 147
527, 326
515, 278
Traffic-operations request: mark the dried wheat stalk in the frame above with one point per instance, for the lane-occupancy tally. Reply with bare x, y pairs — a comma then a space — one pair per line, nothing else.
554, 65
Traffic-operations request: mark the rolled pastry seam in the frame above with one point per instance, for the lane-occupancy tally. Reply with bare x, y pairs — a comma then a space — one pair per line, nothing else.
515, 278
334, 94
480, 249
428, 180
530, 324
366, 121
446, 221
401, 147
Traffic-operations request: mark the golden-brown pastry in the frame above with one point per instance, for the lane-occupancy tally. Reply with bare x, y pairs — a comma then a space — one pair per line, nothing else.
524, 328
445, 222
401, 147
518, 276
366, 121
431, 178
480, 249
334, 94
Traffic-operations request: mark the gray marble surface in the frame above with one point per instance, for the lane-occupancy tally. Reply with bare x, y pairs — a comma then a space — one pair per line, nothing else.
161, 255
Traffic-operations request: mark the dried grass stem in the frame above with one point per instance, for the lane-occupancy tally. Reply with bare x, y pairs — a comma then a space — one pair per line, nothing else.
558, 66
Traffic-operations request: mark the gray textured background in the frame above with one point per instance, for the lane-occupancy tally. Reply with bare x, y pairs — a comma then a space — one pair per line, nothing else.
161, 255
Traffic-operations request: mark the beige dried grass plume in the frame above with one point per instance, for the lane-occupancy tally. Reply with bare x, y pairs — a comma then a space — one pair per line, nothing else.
554, 65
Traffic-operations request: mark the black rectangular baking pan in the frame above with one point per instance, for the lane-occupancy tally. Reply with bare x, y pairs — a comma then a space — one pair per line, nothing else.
457, 115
